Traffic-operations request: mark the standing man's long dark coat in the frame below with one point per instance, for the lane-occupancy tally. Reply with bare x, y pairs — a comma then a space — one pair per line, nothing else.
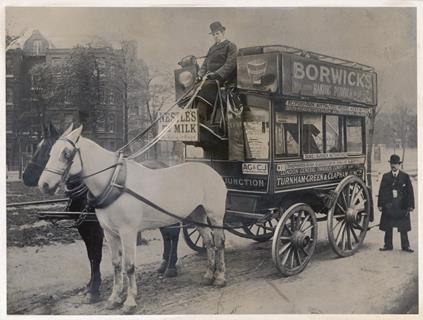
395, 211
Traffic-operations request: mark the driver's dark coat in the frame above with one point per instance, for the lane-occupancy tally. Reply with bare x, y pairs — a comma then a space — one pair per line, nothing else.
394, 212
221, 59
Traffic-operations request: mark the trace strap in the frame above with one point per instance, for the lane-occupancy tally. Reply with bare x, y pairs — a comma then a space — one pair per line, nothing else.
155, 206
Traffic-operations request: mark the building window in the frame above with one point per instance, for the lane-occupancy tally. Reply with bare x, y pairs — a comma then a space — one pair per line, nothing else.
9, 122
102, 95
355, 135
36, 47
334, 138
111, 97
101, 66
9, 96
287, 134
68, 119
312, 139
111, 123
9, 67
100, 122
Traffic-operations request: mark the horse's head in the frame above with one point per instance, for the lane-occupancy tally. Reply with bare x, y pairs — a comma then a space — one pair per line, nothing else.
40, 157
61, 163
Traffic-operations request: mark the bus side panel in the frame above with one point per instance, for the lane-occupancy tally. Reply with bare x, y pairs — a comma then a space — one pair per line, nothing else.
316, 173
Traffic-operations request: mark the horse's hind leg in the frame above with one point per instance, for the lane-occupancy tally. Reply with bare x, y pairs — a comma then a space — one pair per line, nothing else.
207, 236
114, 243
129, 242
219, 242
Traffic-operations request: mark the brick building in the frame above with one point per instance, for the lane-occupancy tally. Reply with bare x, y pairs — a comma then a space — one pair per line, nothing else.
25, 115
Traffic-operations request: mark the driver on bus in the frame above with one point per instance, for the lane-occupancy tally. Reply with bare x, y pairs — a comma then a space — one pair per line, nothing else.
220, 65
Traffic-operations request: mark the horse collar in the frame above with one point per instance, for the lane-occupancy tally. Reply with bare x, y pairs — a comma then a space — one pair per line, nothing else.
114, 189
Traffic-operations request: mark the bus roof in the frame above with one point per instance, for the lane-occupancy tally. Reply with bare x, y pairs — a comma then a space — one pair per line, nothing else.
303, 53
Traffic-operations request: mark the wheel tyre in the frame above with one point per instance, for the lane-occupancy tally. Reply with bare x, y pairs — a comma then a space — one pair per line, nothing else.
261, 233
193, 238
349, 215
294, 239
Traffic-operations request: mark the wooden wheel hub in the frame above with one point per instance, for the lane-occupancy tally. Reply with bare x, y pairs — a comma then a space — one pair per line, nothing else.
352, 216
299, 239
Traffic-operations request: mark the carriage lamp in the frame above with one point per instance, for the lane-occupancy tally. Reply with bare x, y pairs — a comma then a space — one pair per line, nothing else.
186, 78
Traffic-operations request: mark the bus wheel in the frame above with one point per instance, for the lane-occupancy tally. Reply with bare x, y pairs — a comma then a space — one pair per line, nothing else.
295, 239
348, 218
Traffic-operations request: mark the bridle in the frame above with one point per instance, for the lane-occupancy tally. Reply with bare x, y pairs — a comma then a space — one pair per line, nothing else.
69, 159
65, 173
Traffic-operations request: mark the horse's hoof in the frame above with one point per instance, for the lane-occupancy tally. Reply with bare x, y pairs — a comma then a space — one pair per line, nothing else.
110, 305
207, 281
92, 297
128, 309
219, 282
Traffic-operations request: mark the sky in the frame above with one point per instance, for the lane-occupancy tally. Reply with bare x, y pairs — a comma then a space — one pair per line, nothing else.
384, 38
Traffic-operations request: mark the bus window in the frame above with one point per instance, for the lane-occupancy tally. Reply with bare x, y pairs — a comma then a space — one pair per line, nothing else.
287, 134
334, 138
354, 135
312, 138
256, 129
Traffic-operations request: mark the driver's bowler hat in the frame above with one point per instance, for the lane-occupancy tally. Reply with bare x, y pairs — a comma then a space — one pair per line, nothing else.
216, 26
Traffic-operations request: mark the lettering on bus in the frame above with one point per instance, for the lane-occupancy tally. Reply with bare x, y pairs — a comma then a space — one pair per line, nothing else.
245, 183
308, 77
185, 129
299, 179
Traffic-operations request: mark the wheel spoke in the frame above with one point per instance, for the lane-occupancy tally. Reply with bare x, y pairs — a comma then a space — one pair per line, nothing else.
286, 246
344, 199
337, 238
292, 258
305, 251
287, 228
343, 238
297, 255
285, 258
192, 232
284, 238
349, 244
198, 238
308, 228
304, 221
258, 230
353, 194
334, 228
340, 207
354, 235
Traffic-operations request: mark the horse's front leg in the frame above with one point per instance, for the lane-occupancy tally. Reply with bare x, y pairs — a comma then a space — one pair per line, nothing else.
129, 242
116, 298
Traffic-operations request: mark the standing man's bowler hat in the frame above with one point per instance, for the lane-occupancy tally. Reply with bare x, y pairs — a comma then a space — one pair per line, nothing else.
395, 159
216, 26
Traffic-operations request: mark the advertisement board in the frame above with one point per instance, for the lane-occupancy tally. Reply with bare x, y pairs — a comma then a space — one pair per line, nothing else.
258, 72
306, 77
309, 173
185, 129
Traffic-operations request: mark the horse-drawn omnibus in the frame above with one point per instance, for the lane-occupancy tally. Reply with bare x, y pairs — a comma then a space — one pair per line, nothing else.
290, 143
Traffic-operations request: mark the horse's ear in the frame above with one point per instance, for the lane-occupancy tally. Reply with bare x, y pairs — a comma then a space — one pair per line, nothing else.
53, 132
75, 134
67, 131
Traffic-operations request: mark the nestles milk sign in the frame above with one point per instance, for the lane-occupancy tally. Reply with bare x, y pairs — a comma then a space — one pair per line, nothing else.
185, 129
309, 77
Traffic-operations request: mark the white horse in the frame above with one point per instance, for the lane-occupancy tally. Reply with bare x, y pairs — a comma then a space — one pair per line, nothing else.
189, 189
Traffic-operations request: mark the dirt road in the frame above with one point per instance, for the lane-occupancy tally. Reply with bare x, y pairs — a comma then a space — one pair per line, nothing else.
368, 282
46, 276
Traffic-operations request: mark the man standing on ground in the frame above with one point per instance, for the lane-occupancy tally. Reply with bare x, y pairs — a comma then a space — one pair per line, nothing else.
396, 201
